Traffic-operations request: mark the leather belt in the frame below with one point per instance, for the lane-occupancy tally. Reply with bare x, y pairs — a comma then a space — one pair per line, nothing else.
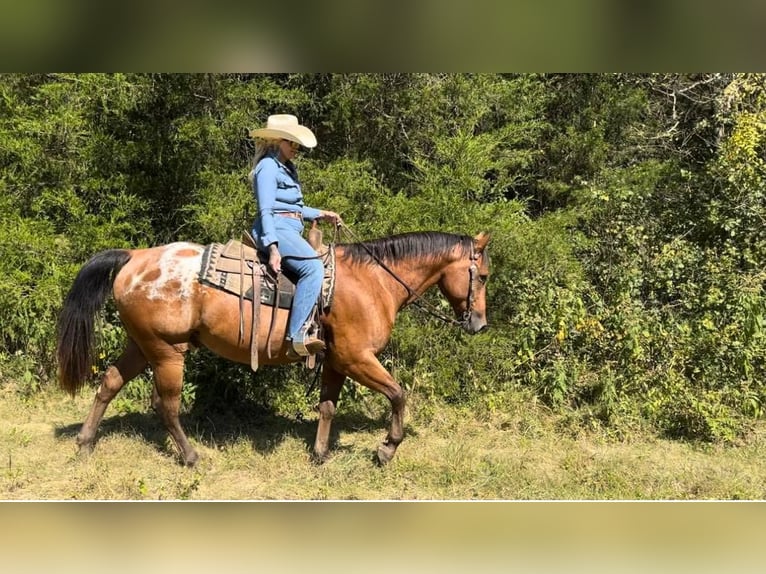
293, 214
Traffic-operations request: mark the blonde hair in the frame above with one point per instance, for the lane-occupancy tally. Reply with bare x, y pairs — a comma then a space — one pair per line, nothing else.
262, 147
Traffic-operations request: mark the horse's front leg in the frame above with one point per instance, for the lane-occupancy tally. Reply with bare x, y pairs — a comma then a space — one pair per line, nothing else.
369, 372
128, 366
332, 382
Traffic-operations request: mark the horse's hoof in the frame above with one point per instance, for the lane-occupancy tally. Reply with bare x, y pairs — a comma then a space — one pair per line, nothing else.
385, 454
319, 458
84, 446
191, 460
85, 450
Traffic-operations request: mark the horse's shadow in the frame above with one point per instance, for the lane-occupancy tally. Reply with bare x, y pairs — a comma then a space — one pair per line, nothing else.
215, 426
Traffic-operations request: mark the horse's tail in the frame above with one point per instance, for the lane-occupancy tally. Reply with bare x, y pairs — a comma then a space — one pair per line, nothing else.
76, 324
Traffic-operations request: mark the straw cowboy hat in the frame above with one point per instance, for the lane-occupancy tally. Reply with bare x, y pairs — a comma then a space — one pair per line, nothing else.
286, 127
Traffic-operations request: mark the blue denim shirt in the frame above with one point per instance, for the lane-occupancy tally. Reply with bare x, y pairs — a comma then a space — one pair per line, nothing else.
276, 188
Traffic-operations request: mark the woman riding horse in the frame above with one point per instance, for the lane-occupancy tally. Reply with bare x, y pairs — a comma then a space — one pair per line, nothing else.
278, 229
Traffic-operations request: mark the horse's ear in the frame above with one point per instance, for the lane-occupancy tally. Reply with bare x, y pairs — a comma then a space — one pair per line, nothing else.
481, 240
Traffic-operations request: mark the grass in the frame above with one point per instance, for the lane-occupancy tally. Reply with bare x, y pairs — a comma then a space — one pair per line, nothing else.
519, 451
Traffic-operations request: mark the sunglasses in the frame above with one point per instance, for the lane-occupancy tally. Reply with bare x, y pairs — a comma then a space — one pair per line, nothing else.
295, 146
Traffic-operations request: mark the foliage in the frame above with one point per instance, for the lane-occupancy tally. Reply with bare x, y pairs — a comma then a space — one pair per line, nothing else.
626, 210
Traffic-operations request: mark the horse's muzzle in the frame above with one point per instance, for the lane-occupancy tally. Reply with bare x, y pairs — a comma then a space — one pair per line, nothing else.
475, 325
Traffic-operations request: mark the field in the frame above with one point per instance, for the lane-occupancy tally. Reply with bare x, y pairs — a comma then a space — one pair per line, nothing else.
520, 451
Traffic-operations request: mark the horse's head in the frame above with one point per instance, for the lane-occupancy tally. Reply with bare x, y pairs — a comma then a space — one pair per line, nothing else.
463, 283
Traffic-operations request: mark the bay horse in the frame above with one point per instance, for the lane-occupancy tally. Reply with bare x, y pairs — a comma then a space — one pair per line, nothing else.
166, 311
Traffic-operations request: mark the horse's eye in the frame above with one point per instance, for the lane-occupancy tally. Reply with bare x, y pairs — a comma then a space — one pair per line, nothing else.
483, 278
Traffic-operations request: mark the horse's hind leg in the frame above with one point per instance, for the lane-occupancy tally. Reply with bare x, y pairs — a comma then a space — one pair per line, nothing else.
332, 381
168, 382
128, 366
369, 372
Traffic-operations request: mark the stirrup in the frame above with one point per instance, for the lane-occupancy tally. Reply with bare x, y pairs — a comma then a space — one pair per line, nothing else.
307, 343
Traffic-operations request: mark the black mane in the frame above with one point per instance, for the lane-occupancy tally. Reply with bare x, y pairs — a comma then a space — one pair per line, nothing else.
414, 245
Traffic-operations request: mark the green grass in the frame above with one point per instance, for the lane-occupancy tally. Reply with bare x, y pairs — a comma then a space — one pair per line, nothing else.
516, 451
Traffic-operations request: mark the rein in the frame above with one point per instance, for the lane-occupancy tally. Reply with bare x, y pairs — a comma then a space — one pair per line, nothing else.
414, 298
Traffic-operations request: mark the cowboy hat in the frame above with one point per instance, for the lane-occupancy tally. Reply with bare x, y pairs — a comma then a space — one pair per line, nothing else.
286, 127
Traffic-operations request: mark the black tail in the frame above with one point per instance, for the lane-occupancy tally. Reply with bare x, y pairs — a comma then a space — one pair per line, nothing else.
76, 324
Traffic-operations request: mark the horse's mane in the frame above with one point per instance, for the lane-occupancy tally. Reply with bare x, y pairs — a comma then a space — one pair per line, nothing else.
426, 245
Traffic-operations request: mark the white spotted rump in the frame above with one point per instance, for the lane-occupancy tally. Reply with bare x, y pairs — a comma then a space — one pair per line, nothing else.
175, 275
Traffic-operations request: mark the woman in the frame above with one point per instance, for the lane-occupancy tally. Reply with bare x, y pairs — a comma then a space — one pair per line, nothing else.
278, 228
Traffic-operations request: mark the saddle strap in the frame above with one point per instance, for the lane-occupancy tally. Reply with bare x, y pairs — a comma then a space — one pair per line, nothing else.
241, 336
256, 318
274, 310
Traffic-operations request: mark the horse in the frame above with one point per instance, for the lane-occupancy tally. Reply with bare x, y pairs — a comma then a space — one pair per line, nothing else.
166, 311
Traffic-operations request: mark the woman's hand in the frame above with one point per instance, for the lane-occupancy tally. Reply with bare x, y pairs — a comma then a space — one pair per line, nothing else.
332, 217
275, 258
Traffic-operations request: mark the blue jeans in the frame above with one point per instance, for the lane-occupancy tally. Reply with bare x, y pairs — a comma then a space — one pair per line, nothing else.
299, 258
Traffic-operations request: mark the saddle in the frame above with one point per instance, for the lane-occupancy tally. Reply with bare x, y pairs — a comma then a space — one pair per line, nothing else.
239, 269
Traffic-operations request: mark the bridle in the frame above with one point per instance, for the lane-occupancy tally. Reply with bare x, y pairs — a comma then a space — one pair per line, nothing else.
415, 298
